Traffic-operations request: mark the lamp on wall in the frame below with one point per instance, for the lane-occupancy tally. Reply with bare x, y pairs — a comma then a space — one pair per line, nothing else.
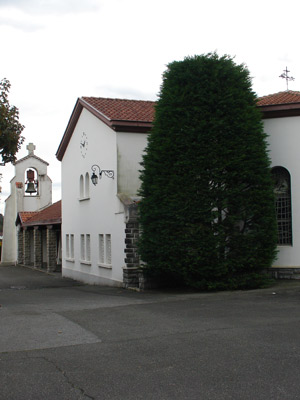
109, 173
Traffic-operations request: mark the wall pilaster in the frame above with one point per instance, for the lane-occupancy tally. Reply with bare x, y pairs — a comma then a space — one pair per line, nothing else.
37, 247
26, 246
51, 248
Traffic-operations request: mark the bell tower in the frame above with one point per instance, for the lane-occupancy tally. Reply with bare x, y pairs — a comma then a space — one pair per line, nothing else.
31, 190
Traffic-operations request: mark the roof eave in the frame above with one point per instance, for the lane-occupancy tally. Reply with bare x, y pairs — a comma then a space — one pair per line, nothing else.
280, 110
131, 126
56, 221
69, 130
119, 126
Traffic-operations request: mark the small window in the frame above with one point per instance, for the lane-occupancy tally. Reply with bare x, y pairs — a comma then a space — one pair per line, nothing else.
85, 249
82, 247
81, 187
88, 247
105, 250
101, 249
282, 191
87, 185
70, 246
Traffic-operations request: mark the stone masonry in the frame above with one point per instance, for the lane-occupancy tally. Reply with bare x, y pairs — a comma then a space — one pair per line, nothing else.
26, 247
51, 248
37, 243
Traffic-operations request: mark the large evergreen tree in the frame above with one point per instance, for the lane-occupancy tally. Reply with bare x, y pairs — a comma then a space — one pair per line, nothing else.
207, 208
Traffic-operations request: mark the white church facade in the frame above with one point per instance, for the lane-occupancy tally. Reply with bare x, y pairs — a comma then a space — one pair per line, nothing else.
100, 153
104, 140
31, 190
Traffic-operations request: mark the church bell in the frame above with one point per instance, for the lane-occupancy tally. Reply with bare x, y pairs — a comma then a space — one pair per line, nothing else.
31, 184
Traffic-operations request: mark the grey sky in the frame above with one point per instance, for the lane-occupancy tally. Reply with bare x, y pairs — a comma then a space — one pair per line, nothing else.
54, 51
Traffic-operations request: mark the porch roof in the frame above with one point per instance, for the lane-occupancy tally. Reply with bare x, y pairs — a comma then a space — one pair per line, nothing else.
48, 216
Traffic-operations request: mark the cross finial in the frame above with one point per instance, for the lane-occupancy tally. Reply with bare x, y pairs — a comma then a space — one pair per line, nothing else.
286, 77
30, 147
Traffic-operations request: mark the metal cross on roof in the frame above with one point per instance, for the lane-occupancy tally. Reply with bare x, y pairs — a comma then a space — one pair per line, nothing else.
286, 77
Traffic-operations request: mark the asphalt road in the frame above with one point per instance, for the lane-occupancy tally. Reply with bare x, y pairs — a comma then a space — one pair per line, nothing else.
63, 340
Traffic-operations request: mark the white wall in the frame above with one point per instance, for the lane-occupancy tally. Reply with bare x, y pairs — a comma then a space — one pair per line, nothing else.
17, 202
284, 141
131, 146
101, 212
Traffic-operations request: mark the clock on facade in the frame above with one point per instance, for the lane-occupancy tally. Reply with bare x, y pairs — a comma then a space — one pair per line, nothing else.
83, 144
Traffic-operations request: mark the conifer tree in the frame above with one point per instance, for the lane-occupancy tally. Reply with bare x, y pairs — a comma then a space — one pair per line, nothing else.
207, 208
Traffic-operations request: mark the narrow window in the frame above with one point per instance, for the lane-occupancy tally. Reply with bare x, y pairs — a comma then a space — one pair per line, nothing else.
82, 247
72, 246
101, 249
81, 187
105, 250
108, 249
87, 185
68, 246
282, 191
88, 248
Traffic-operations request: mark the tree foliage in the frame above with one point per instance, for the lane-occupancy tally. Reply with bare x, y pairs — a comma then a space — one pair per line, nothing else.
10, 127
207, 208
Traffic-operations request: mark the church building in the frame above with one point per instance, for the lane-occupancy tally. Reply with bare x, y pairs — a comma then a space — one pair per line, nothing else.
101, 151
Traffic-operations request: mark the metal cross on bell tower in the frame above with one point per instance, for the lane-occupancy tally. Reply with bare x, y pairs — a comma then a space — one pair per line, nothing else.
285, 76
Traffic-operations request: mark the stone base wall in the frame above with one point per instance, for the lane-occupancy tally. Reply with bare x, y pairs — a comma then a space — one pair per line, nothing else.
284, 273
134, 278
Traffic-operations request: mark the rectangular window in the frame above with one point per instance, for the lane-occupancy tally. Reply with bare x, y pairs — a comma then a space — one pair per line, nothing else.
108, 249
105, 250
85, 248
72, 246
82, 247
68, 246
88, 247
101, 249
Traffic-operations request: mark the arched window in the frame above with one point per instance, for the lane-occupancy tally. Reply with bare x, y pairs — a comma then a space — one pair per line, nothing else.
81, 187
87, 185
282, 191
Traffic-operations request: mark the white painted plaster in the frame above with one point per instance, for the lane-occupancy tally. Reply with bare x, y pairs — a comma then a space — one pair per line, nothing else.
18, 201
101, 212
131, 147
284, 145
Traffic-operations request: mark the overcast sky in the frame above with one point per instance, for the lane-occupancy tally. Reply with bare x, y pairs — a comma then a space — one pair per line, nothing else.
54, 51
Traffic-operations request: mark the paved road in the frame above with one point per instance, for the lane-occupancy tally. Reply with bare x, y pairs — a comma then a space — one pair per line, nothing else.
63, 340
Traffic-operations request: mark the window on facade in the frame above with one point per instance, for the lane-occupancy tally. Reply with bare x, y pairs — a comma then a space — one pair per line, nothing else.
70, 246
81, 187
82, 247
87, 185
85, 248
282, 191
84, 186
88, 247
105, 249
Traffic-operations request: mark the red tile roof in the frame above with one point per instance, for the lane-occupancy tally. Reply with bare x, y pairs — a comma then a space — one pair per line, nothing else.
122, 109
26, 215
287, 97
137, 115
47, 216
120, 115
